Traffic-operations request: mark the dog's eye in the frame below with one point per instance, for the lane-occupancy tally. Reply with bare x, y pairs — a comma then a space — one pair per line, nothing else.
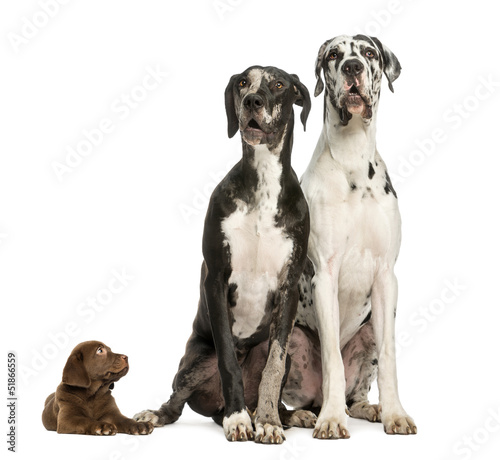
279, 85
242, 83
100, 351
369, 54
332, 56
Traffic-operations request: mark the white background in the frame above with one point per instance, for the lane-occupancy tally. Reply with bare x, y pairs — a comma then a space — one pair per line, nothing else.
135, 203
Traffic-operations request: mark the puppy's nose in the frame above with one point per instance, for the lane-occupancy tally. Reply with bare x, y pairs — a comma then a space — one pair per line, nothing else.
124, 357
253, 102
352, 67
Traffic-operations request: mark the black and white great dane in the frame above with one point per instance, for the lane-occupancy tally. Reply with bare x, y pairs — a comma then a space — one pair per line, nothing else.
254, 248
348, 296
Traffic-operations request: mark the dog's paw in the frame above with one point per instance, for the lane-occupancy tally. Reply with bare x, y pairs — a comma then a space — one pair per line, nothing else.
137, 428
238, 427
103, 429
267, 433
301, 418
331, 428
398, 424
148, 416
366, 411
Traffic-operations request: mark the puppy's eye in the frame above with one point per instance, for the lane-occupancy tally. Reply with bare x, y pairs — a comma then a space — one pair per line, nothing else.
99, 351
369, 54
279, 85
332, 56
242, 83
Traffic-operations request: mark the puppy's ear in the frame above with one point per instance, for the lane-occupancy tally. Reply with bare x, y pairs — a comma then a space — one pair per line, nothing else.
391, 65
319, 66
303, 99
232, 119
74, 372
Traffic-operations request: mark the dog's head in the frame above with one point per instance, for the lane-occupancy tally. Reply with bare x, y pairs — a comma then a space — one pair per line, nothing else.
259, 103
94, 362
353, 69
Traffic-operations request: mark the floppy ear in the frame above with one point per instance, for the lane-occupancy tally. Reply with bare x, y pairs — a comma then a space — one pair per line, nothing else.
391, 65
74, 372
303, 99
232, 119
319, 65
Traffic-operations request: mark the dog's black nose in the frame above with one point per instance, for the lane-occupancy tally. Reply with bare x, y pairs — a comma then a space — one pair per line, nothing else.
352, 67
254, 101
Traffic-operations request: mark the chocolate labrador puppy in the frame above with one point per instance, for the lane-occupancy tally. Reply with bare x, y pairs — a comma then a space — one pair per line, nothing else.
82, 403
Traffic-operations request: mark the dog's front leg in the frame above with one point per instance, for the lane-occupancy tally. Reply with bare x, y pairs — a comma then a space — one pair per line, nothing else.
384, 300
268, 427
236, 423
332, 420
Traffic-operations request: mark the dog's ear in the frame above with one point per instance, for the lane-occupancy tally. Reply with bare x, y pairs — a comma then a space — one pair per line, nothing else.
319, 66
391, 65
74, 372
303, 99
232, 119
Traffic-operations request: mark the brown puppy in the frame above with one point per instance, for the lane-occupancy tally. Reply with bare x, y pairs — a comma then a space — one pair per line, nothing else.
82, 403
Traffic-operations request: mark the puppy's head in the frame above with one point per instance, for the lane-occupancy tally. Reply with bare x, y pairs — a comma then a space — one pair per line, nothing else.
94, 362
259, 103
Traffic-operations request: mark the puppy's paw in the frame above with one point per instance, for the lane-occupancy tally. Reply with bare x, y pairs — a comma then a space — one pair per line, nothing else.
238, 427
103, 429
139, 428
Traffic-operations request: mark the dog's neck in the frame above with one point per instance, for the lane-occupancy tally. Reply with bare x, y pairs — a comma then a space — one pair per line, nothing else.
353, 145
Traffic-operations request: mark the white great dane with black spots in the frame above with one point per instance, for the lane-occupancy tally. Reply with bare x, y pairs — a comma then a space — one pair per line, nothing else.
348, 295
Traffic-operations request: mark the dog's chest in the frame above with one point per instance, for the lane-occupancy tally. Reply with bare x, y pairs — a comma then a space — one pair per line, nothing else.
355, 225
259, 249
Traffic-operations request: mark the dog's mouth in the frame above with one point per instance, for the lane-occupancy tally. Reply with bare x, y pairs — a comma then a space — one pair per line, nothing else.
114, 376
253, 125
353, 97
355, 101
255, 133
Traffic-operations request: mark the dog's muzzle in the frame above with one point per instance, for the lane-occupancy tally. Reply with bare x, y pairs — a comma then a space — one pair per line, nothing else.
254, 128
354, 98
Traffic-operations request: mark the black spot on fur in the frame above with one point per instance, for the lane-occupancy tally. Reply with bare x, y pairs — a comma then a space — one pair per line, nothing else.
368, 317
374, 362
353, 187
232, 296
388, 185
371, 171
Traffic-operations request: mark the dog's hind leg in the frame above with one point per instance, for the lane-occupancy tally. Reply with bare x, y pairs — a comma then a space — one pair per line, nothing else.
198, 367
360, 366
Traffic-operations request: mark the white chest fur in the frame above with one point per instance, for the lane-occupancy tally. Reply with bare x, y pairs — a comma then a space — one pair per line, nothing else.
259, 249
